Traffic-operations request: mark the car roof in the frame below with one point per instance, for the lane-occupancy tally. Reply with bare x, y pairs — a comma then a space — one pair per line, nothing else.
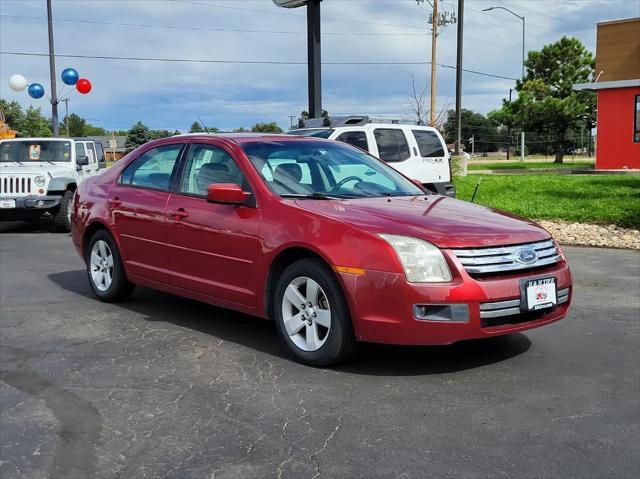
238, 137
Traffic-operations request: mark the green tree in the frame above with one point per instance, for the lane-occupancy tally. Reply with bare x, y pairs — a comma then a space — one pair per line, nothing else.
474, 125
271, 127
77, 125
35, 124
196, 128
155, 134
138, 135
546, 100
13, 114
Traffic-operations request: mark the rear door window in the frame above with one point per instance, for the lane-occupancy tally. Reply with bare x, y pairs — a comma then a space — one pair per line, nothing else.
429, 143
355, 138
153, 169
392, 144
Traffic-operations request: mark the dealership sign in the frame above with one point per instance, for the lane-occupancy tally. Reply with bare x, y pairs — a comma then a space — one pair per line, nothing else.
290, 3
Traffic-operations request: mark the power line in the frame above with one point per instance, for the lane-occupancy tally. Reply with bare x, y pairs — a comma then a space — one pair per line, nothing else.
238, 30
248, 62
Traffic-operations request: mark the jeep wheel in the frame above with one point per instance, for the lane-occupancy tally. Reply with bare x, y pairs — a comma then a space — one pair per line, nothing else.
312, 315
62, 218
106, 274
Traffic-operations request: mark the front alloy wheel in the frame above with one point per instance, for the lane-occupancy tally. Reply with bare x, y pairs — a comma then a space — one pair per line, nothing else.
306, 314
311, 313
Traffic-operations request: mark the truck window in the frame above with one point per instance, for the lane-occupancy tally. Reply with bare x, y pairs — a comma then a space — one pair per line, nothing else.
92, 152
355, 138
429, 143
100, 152
80, 150
392, 145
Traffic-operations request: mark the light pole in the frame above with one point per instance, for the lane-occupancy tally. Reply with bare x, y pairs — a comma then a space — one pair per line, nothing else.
523, 60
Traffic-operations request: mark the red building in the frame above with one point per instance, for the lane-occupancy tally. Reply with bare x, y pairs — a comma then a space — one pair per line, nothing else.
618, 90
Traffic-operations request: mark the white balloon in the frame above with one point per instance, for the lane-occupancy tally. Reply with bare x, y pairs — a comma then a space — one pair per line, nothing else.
17, 82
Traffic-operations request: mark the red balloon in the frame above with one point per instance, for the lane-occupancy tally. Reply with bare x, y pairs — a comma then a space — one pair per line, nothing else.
83, 86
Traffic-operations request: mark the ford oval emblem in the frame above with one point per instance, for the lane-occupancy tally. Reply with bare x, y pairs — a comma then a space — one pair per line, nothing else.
526, 256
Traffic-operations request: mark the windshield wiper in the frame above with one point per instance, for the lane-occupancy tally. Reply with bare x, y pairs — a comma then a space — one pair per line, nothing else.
313, 196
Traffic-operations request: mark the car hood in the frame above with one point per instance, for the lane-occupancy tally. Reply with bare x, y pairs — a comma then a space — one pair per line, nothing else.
36, 168
443, 221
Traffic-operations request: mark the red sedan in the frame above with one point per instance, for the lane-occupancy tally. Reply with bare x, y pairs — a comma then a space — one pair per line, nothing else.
329, 242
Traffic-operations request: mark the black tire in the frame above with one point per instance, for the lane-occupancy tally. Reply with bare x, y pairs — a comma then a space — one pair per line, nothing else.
341, 342
120, 287
61, 218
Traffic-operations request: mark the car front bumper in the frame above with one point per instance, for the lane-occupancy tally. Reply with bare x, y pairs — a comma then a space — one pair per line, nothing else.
383, 306
28, 207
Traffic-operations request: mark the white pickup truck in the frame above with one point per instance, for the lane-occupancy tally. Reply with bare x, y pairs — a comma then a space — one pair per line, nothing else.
38, 177
417, 151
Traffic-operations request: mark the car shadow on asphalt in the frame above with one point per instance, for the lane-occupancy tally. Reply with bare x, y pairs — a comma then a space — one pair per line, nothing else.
43, 225
260, 335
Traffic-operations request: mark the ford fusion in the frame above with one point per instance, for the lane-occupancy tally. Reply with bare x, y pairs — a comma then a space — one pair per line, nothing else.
329, 242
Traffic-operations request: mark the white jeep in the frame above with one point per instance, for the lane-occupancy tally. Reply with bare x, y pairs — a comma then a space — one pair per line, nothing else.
417, 151
38, 177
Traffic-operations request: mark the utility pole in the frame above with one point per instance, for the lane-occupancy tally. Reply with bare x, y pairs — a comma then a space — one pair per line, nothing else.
459, 76
52, 72
291, 118
509, 127
434, 47
436, 19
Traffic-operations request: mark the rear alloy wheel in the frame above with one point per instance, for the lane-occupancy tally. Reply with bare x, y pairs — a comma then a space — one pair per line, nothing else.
312, 315
104, 269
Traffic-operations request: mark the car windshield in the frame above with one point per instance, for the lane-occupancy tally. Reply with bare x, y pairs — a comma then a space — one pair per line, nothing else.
35, 150
325, 169
314, 132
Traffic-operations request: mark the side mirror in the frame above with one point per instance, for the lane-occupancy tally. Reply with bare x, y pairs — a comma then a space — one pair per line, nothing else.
227, 193
82, 160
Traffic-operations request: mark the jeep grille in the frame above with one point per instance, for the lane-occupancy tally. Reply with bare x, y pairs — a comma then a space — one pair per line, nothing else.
13, 185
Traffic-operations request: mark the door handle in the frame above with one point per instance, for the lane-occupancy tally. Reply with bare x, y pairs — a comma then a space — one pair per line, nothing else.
113, 202
179, 214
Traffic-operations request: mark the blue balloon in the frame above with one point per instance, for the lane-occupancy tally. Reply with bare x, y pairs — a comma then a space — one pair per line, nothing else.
70, 76
36, 90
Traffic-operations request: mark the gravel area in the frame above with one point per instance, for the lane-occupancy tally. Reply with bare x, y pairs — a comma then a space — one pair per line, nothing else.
584, 234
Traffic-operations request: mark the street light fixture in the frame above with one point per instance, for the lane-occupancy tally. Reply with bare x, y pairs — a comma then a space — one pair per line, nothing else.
523, 59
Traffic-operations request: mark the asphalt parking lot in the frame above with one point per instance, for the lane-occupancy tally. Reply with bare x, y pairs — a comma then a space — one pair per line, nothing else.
166, 387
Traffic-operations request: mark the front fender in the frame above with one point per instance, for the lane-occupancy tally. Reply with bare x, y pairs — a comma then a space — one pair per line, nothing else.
60, 183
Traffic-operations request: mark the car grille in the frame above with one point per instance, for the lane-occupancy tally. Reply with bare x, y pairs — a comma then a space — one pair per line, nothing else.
505, 259
12, 185
497, 309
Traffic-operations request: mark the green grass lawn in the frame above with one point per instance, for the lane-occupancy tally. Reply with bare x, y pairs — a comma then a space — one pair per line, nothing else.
530, 165
582, 198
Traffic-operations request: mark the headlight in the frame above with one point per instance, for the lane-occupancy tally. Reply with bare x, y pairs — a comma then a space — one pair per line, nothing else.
422, 261
40, 181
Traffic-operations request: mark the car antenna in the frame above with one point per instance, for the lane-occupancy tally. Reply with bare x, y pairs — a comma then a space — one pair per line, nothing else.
476, 190
202, 124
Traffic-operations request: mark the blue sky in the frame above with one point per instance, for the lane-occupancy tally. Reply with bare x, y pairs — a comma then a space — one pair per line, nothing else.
171, 95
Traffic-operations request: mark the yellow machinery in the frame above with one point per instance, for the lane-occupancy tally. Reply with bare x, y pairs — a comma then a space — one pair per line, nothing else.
5, 131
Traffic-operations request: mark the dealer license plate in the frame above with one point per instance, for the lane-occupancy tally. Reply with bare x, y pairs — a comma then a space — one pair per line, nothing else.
7, 203
540, 294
